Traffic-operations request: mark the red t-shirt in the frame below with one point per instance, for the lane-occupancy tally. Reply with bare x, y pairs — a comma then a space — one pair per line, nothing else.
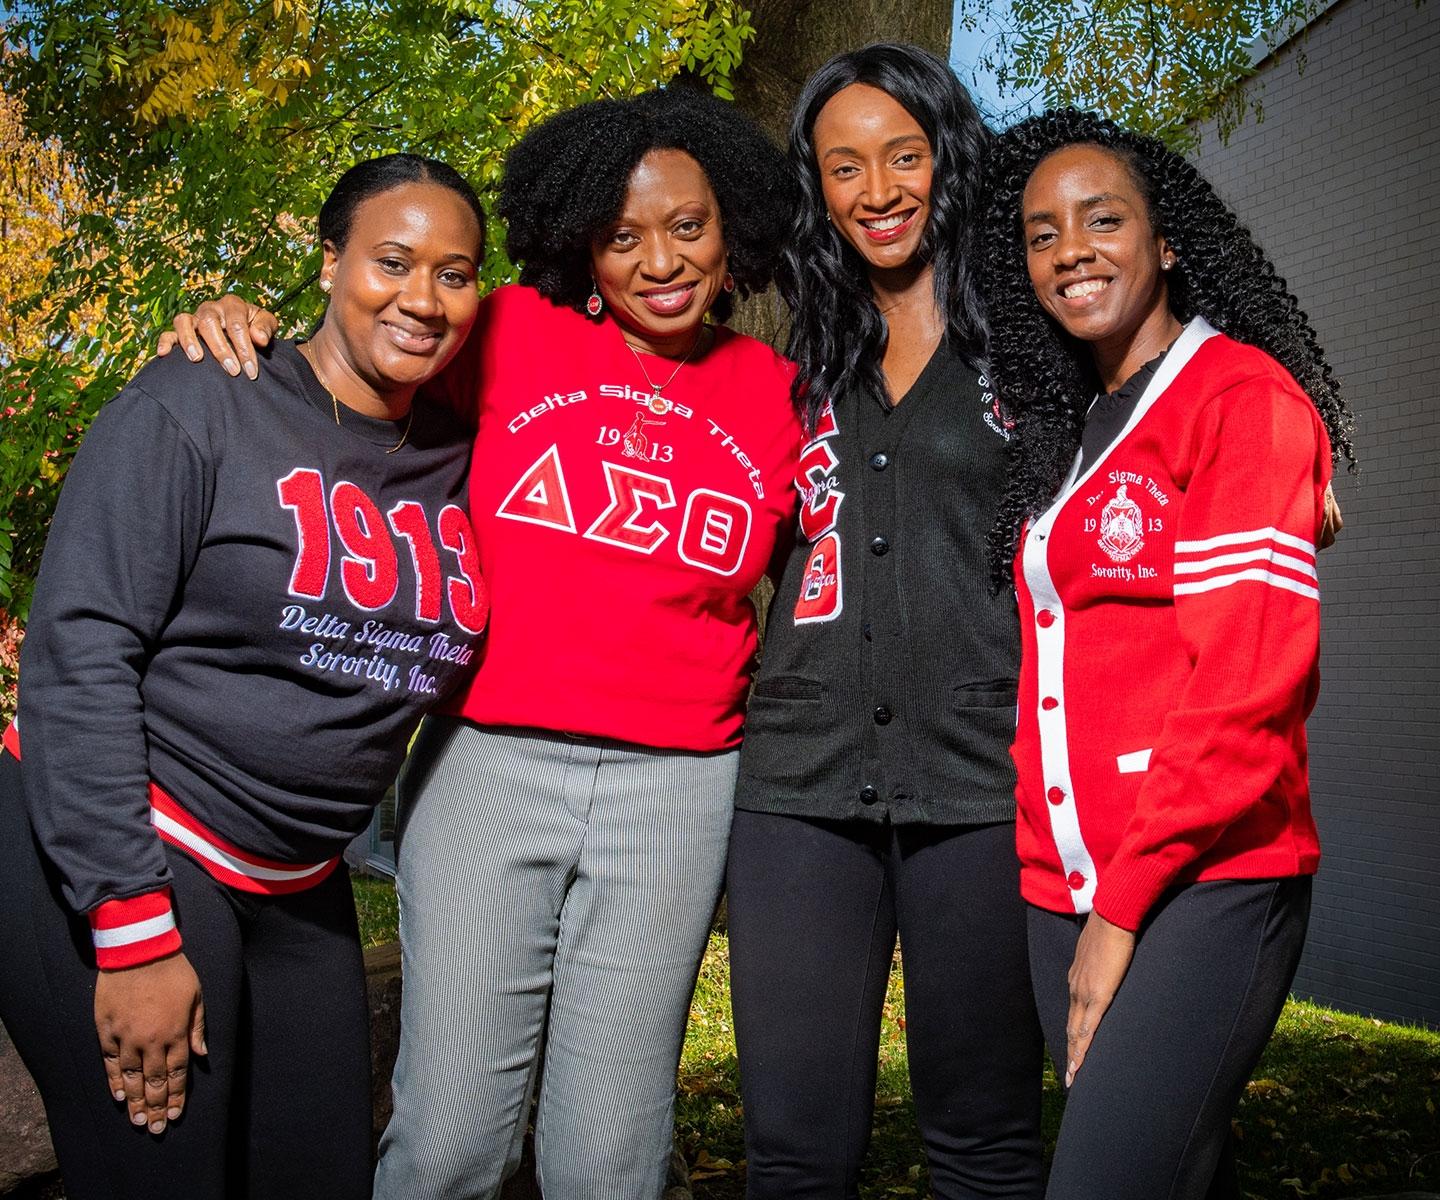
620, 535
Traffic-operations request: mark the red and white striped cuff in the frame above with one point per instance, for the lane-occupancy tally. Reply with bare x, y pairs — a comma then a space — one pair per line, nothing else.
128, 933
224, 860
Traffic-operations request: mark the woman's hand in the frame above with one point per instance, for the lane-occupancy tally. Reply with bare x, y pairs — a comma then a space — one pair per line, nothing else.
1102, 956
231, 329
1333, 522
150, 1019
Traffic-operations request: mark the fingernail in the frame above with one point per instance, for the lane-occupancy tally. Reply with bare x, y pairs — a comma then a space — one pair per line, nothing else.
118, 1093
231, 366
172, 1113
157, 1126
137, 1118
193, 353
250, 371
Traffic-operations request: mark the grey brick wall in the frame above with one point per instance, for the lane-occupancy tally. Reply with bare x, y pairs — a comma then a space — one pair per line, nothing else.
1340, 182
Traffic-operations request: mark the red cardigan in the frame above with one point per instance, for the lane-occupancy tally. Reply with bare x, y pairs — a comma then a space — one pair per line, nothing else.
1170, 621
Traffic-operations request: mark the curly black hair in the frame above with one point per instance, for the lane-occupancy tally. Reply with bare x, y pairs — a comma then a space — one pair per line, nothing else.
565, 183
1047, 378
838, 335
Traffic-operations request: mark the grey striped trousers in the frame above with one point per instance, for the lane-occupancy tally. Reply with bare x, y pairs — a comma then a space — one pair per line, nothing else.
555, 897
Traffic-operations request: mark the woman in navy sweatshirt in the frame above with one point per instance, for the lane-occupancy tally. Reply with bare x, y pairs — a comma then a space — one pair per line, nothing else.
248, 598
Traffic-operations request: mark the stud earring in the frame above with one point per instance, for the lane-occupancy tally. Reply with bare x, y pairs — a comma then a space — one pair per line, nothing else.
594, 305
1166, 264
326, 285
729, 283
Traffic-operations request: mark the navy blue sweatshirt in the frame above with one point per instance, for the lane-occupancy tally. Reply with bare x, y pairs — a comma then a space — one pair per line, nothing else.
249, 607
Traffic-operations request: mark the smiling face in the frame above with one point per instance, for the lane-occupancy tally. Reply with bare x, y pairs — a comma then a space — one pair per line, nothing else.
875, 165
1095, 260
661, 264
402, 294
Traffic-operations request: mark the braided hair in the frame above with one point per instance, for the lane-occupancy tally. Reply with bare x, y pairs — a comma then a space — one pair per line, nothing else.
1048, 378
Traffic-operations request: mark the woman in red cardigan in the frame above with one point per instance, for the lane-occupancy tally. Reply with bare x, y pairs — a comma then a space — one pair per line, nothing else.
1176, 423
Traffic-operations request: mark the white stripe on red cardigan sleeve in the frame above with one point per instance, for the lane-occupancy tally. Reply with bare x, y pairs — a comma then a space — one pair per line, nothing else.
1246, 604
1269, 555
134, 931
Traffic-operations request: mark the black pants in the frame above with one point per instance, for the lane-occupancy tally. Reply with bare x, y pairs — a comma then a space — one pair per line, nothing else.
814, 908
278, 1109
1148, 1117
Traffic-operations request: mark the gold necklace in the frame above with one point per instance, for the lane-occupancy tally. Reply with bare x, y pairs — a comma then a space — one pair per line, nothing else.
410, 420
655, 389
335, 400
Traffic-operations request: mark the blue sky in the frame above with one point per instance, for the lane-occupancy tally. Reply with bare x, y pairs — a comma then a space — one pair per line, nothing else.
966, 48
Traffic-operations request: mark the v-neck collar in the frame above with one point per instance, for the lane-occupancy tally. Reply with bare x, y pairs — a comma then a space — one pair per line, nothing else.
931, 363
1196, 334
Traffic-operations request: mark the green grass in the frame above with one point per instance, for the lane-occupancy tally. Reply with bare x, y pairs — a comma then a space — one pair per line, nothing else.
1340, 1106
377, 908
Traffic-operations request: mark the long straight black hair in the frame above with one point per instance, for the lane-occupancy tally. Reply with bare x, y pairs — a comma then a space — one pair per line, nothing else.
838, 336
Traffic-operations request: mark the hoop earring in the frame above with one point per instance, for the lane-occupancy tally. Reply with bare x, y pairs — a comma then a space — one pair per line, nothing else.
595, 305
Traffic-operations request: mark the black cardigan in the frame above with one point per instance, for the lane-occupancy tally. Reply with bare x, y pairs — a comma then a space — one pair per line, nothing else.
887, 687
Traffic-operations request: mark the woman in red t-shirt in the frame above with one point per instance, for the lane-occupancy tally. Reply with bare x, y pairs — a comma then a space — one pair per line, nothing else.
563, 833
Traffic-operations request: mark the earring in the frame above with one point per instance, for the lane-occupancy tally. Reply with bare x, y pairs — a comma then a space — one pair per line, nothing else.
1166, 264
595, 305
326, 285
729, 283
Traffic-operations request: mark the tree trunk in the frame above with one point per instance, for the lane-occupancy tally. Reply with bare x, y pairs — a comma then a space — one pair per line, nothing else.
793, 37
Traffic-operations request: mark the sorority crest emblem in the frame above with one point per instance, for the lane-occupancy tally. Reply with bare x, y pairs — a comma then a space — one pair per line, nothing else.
1120, 526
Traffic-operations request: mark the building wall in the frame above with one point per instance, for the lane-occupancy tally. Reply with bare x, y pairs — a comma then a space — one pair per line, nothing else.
1340, 182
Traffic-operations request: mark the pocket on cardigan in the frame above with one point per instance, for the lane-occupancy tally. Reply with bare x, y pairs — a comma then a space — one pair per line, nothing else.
790, 738
1134, 763
983, 695
789, 687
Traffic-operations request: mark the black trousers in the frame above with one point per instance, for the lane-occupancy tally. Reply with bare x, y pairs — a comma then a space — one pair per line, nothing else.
814, 909
1148, 1117
278, 1109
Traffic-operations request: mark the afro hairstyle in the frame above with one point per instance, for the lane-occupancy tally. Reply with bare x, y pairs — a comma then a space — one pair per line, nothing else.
565, 183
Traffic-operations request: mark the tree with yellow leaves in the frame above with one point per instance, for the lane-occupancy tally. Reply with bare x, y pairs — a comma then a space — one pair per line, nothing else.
200, 138
41, 205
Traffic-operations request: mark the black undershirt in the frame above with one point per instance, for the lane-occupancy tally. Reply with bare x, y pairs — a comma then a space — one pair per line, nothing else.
1110, 411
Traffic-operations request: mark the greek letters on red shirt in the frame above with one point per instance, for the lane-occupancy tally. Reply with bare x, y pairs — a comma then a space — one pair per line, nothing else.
620, 530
